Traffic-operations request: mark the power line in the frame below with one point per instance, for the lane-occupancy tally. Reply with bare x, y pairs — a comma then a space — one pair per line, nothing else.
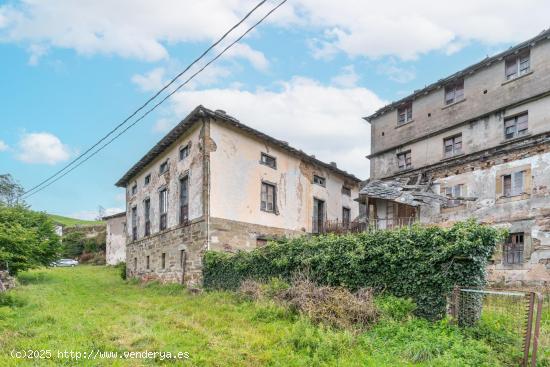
163, 100
150, 99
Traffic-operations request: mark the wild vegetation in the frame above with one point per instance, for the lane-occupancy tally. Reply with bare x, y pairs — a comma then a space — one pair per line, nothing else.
88, 308
422, 263
71, 222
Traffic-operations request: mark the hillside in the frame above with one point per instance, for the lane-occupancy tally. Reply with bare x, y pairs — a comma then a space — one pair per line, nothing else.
66, 221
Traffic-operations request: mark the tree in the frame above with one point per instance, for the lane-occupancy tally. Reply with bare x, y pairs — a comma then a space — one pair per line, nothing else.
27, 238
10, 190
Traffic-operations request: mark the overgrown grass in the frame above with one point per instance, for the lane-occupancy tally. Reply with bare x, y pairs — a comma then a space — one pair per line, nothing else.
86, 308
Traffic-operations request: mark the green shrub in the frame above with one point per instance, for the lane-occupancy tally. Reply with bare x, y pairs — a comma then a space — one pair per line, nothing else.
7, 299
422, 263
395, 308
122, 269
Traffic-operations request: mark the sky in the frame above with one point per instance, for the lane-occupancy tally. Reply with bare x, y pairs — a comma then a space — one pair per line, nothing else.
72, 70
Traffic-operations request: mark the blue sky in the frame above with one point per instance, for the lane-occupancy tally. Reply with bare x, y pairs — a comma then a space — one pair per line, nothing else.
72, 70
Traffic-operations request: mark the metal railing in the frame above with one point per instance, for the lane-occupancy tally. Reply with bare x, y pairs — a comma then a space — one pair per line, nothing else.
361, 225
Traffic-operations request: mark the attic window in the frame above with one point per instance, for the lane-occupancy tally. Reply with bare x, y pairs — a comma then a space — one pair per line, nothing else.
517, 65
454, 92
184, 152
404, 113
268, 160
318, 180
147, 179
163, 167
134, 189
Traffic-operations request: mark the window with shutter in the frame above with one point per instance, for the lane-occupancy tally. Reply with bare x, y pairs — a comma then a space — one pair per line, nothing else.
404, 113
404, 160
513, 249
516, 126
517, 185
507, 185
268, 198
517, 65
454, 92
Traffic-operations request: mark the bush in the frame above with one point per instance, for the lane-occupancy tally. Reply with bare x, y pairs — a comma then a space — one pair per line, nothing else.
421, 263
121, 270
398, 309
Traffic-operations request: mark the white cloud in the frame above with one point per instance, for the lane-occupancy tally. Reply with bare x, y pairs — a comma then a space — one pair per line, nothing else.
36, 52
321, 120
151, 81
396, 73
163, 125
256, 58
347, 78
3, 146
94, 214
42, 148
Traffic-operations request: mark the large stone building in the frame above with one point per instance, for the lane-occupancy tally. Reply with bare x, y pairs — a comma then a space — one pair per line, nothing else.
215, 183
115, 241
474, 144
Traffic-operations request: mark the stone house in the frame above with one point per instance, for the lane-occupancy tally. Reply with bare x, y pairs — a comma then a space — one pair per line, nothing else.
474, 144
213, 183
115, 241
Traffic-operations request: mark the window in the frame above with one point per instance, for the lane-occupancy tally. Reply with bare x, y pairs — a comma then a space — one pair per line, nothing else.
455, 191
268, 198
404, 160
346, 214
184, 152
454, 92
517, 65
163, 208
147, 262
404, 113
135, 263
134, 189
512, 184
515, 126
268, 160
163, 167
183, 259
513, 249
147, 180
318, 180
163, 260
184, 200
346, 191
134, 223
261, 242
453, 145
147, 216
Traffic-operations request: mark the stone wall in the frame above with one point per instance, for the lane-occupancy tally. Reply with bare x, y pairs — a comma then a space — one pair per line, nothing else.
7, 281
183, 247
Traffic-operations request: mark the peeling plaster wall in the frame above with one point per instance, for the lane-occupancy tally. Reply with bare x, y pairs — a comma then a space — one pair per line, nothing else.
236, 177
116, 240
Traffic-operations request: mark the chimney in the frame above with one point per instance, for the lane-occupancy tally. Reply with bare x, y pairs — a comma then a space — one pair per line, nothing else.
333, 164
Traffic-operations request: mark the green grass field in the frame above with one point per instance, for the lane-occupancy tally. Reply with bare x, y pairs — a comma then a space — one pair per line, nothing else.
90, 308
69, 222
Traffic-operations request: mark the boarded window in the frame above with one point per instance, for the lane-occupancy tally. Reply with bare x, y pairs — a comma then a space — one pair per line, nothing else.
454, 92
318, 180
513, 184
346, 214
163, 167
346, 191
184, 200
513, 249
268, 160
268, 197
404, 160
516, 126
147, 216
134, 224
404, 113
163, 208
517, 65
147, 180
184, 152
453, 145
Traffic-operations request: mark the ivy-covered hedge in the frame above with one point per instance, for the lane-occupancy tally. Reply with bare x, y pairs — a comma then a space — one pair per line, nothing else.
423, 263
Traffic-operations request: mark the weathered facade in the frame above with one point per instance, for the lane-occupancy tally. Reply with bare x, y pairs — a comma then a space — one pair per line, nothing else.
475, 144
215, 183
115, 241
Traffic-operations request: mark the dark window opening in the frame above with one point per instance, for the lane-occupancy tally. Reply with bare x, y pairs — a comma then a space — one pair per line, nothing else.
513, 249
163, 260
147, 215
163, 167
268, 160
516, 126
147, 179
346, 214
404, 114
135, 263
134, 189
318, 180
318, 216
147, 262
183, 259
184, 152
453, 145
517, 65
184, 200
404, 160
261, 242
134, 224
268, 198
346, 191
454, 92
163, 208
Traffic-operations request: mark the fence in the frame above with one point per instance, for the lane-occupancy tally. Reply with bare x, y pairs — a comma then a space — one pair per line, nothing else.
511, 317
363, 225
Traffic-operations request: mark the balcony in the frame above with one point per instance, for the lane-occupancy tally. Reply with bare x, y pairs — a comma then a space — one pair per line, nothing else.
361, 225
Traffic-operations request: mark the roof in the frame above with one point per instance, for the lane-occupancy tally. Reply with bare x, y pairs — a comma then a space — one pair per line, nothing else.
400, 191
544, 35
202, 112
113, 216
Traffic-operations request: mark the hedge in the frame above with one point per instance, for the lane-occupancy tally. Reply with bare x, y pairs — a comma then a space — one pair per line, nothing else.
422, 262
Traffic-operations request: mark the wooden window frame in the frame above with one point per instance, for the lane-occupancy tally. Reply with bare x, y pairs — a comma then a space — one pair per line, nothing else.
163, 260
515, 188
407, 159
163, 209
265, 158
518, 125
346, 216
517, 65
454, 150
147, 216
404, 113
264, 197
513, 249
184, 201
456, 89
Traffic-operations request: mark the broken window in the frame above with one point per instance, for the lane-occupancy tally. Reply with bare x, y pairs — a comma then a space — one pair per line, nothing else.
268, 161
184, 152
513, 249
184, 200
163, 260
163, 167
346, 191
134, 223
517, 65
454, 92
147, 216
404, 113
512, 184
268, 197
404, 160
134, 189
318, 180
452, 192
516, 126
147, 262
163, 208
346, 214
147, 180
453, 145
